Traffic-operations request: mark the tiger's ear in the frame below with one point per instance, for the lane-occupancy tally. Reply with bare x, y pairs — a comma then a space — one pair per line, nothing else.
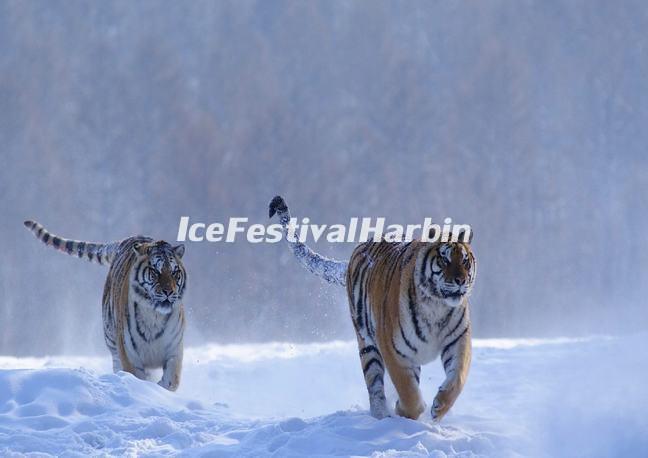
179, 250
140, 248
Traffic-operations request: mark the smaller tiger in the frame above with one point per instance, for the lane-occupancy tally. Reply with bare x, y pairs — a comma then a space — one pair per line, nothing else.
143, 316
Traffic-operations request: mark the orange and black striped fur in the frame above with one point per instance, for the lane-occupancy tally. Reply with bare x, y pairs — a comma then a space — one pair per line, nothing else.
409, 305
143, 316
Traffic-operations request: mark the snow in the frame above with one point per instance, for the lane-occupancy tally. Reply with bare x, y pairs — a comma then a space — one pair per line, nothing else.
561, 397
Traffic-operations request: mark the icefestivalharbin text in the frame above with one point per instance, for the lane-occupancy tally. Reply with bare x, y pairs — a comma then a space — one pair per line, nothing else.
358, 230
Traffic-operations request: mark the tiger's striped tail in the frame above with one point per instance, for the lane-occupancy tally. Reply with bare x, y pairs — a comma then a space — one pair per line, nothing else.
102, 253
329, 269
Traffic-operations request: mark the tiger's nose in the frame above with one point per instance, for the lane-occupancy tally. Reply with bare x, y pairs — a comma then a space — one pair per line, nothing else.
168, 292
460, 280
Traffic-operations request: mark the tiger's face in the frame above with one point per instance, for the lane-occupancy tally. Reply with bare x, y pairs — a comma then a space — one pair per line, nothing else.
448, 272
159, 275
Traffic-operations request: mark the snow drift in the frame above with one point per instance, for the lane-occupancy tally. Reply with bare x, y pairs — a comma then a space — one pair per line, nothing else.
524, 397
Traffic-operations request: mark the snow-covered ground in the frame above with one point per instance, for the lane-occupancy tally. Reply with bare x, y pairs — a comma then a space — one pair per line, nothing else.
563, 397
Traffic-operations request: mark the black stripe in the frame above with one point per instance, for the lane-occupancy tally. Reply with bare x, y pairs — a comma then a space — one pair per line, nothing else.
423, 264
69, 245
46, 237
91, 251
415, 322
141, 291
446, 362
395, 258
407, 342
408, 258
80, 249
463, 313
109, 339
392, 264
368, 349
356, 273
40, 230
445, 320
447, 347
56, 241
400, 353
401, 249
364, 293
375, 250
361, 307
128, 325
161, 331
137, 323
131, 338
358, 280
138, 268
371, 362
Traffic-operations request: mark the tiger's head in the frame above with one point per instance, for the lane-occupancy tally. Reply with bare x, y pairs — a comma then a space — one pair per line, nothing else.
447, 271
159, 276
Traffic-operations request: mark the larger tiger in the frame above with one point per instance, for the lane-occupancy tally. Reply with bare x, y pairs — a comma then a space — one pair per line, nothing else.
409, 304
143, 317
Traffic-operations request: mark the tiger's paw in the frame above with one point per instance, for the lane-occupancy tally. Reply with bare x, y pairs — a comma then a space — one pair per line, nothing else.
412, 413
168, 385
442, 403
379, 413
378, 408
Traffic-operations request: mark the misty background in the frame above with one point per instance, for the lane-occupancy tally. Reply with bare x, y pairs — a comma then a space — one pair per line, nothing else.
525, 119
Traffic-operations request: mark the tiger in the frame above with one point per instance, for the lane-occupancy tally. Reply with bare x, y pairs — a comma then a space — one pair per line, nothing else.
142, 311
409, 305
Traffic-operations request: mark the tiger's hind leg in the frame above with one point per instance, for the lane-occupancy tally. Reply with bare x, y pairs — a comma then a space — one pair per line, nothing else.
371, 360
117, 366
112, 348
373, 369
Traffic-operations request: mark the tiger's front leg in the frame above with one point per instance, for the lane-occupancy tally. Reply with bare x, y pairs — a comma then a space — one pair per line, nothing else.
410, 403
171, 372
456, 358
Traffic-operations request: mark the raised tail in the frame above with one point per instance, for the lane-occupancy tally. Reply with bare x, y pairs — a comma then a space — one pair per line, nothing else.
329, 269
102, 253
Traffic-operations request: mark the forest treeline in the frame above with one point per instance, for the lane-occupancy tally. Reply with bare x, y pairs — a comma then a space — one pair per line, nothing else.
525, 120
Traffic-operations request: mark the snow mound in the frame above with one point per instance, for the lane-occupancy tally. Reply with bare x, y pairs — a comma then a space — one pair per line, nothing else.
583, 397
57, 410
61, 410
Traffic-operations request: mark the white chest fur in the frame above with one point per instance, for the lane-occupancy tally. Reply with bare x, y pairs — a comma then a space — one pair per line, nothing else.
421, 323
151, 337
